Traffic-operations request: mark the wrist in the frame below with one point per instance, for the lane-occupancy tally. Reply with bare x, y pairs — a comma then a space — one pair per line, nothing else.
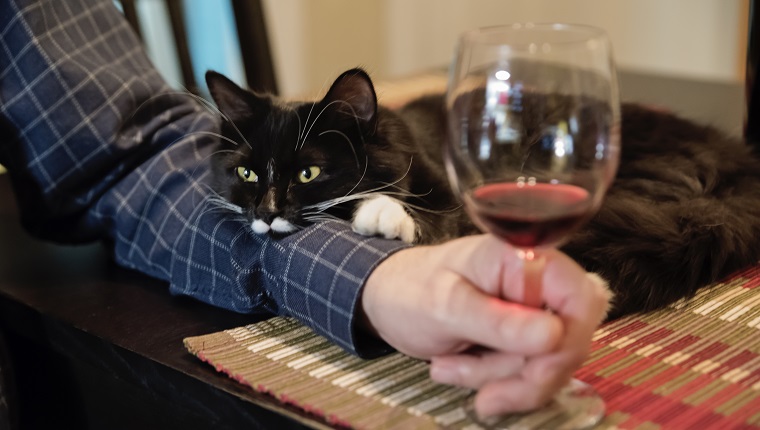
371, 299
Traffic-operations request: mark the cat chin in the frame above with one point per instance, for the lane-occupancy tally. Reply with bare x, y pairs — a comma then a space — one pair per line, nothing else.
278, 225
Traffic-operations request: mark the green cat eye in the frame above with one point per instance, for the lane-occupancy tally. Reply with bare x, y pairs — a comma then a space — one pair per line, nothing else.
308, 174
246, 174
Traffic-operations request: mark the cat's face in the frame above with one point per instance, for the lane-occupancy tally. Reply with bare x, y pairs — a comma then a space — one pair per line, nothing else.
290, 161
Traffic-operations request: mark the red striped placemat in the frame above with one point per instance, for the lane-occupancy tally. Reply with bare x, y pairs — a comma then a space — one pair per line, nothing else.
693, 365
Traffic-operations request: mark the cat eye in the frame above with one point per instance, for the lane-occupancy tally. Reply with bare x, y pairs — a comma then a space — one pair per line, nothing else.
308, 174
246, 174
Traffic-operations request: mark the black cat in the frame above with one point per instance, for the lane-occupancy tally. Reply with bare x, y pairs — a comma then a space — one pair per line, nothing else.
683, 211
290, 164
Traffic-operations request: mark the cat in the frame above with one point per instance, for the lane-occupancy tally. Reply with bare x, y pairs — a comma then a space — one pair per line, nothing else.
289, 164
682, 213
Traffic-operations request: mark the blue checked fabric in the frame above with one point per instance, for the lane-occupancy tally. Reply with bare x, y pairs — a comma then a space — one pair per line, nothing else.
100, 148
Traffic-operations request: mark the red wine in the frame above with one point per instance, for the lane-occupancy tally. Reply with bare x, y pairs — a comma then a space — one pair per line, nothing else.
530, 216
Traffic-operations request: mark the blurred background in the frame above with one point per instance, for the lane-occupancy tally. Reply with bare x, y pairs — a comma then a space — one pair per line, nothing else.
312, 41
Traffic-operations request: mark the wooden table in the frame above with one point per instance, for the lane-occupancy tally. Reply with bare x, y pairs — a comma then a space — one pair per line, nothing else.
97, 346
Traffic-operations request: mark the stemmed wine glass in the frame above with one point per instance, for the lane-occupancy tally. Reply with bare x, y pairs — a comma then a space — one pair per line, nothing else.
533, 146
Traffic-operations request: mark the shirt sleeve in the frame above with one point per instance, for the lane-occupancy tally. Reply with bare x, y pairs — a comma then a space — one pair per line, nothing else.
100, 148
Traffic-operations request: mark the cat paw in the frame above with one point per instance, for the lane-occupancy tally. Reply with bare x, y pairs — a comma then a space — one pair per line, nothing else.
607, 291
384, 216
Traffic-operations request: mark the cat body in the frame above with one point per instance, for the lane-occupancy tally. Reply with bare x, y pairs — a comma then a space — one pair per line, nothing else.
683, 211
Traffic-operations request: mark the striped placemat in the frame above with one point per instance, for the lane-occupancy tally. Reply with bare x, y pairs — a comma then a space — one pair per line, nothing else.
693, 365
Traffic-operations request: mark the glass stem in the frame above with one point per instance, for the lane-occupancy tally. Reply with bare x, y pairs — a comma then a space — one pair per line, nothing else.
533, 270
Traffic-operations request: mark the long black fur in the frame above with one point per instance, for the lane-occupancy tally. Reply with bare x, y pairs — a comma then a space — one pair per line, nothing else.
683, 212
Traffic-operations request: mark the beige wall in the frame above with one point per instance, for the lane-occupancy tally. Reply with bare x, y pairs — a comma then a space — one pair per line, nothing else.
314, 40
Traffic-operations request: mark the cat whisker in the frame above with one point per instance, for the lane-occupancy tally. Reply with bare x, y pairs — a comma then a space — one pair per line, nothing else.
300, 135
214, 198
327, 204
202, 101
361, 178
411, 208
378, 191
303, 140
388, 184
218, 135
385, 184
213, 108
223, 151
248, 144
360, 195
372, 190
322, 217
324, 108
220, 202
206, 157
356, 118
298, 116
350, 144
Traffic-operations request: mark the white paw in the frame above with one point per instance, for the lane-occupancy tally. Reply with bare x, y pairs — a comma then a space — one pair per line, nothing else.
384, 216
605, 290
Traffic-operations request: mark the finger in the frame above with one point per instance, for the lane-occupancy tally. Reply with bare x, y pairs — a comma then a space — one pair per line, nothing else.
484, 260
488, 321
581, 305
570, 290
509, 395
473, 370
539, 380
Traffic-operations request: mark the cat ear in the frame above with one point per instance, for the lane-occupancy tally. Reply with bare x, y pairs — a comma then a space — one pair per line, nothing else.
354, 94
233, 101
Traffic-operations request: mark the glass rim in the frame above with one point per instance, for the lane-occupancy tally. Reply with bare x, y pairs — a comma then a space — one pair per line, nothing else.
585, 32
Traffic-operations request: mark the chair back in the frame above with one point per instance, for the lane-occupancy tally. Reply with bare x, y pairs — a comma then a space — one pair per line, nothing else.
250, 30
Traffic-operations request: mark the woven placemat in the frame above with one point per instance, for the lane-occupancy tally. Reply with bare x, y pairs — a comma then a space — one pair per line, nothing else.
693, 365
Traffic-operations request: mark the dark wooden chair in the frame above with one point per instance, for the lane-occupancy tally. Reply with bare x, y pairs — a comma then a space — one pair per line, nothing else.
252, 37
752, 90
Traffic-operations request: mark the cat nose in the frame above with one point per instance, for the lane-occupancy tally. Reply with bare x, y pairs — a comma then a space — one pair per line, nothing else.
268, 209
267, 215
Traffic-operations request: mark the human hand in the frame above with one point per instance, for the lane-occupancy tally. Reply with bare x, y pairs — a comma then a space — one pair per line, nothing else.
437, 302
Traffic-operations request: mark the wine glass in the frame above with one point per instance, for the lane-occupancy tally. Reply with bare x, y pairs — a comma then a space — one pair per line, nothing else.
533, 146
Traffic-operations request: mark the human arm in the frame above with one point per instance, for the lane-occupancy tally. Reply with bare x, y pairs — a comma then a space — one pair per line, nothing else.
98, 147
